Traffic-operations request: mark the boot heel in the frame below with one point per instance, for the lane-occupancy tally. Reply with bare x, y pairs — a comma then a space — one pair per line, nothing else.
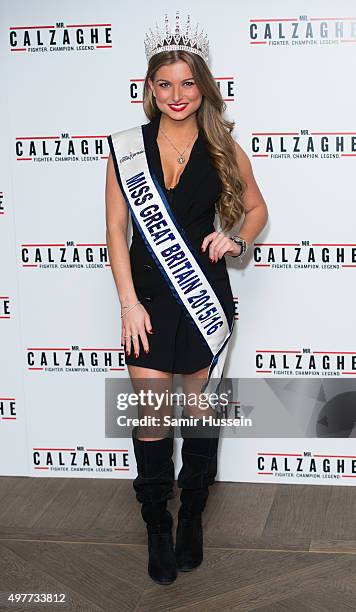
189, 544
162, 566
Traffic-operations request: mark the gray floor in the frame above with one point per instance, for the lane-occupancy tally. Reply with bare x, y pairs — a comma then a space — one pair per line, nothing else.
267, 547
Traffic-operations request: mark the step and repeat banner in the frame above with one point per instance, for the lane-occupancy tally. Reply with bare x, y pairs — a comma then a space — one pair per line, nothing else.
73, 73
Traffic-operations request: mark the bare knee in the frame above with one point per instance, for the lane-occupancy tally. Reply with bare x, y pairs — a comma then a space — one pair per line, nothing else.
158, 381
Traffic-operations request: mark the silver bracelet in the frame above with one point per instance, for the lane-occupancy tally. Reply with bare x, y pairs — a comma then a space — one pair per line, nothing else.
128, 305
243, 244
129, 308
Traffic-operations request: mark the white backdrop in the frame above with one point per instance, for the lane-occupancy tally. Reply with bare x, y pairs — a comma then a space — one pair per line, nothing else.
74, 75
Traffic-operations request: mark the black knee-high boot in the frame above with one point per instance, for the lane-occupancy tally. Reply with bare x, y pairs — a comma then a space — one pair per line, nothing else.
199, 457
154, 486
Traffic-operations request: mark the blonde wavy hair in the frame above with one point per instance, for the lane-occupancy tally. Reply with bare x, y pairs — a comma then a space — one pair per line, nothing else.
217, 131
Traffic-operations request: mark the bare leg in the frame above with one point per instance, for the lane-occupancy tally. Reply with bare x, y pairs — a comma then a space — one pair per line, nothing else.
192, 384
142, 380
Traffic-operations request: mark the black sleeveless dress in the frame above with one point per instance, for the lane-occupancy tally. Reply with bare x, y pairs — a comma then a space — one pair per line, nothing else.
177, 346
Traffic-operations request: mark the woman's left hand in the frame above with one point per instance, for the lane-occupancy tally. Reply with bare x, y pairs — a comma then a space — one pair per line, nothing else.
219, 245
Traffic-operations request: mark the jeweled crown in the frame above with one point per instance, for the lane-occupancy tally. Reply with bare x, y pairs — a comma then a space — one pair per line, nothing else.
180, 37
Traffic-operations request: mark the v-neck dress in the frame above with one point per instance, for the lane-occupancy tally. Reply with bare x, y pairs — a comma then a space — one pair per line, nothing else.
177, 346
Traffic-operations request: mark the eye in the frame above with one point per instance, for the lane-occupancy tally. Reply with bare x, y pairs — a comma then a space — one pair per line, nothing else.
163, 84
189, 83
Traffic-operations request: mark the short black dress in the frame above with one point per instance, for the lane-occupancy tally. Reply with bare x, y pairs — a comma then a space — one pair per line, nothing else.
177, 346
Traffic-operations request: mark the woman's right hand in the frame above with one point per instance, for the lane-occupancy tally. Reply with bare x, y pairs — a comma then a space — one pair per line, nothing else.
135, 323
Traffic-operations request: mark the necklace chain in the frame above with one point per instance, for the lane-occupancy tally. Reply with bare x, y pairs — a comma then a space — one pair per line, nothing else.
181, 158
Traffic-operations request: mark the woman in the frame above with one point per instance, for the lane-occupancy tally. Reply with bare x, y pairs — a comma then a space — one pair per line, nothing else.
194, 169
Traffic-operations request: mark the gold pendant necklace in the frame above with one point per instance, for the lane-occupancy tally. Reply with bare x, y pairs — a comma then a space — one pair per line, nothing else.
181, 158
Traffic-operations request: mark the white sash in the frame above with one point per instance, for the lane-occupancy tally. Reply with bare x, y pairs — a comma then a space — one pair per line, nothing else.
168, 247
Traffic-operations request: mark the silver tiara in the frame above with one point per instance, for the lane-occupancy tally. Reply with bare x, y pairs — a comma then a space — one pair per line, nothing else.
173, 39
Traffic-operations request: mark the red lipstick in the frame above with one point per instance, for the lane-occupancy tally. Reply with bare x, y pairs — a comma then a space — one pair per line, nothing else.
178, 107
